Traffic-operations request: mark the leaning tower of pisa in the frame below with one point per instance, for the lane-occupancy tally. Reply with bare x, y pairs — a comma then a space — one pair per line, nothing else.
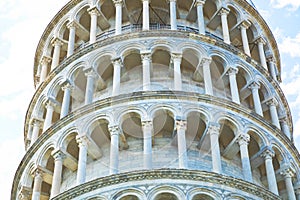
158, 100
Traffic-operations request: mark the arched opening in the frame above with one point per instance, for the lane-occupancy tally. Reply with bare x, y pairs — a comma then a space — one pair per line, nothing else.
131, 142
79, 79
202, 197
132, 75
192, 75
164, 140
166, 196
99, 146
129, 197
197, 147
104, 69
162, 71
220, 80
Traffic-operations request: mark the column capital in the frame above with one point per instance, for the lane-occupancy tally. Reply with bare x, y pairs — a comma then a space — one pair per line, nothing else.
268, 153
114, 130
117, 61
146, 55
147, 123
90, 72
51, 102
37, 172
116, 2
243, 139
176, 56
272, 102
57, 154
45, 60
199, 2
213, 128
72, 24
287, 172
181, 124
94, 11
245, 24
260, 39
205, 60
25, 193
36, 121
254, 85
66, 85
57, 41
224, 11
270, 58
82, 140
232, 71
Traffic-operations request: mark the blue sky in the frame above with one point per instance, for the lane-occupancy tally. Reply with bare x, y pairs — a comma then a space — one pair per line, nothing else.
22, 23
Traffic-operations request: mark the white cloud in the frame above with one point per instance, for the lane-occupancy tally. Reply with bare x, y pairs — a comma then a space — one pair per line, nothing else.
290, 45
291, 4
11, 159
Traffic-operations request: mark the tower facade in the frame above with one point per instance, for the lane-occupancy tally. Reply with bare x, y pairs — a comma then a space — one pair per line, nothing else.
152, 99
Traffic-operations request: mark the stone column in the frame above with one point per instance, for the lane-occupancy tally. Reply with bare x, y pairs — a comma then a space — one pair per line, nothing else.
233, 85
57, 43
243, 141
37, 186
94, 13
49, 114
146, 14
36, 126
268, 154
146, 60
117, 76
147, 131
118, 20
173, 18
205, 62
57, 173
244, 26
181, 140
224, 12
201, 26
44, 68
272, 103
272, 67
114, 149
214, 131
81, 169
176, 59
261, 42
67, 88
90, 85
288, 174
256, 100
72, 31
285, 127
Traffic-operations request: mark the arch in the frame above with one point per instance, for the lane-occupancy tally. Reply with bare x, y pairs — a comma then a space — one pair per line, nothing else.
203, 191
122, 112
166, 189
45, 154
280, 153
127, 49
201, 109
65, 137
235, 124
88, 124
74, 68
79, 10
130, 191
154, 108
55, 87
258, 134
161, 45
200, 49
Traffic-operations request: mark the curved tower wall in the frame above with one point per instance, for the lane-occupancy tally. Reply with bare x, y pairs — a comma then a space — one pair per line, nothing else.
157, 100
